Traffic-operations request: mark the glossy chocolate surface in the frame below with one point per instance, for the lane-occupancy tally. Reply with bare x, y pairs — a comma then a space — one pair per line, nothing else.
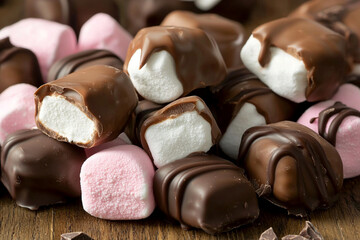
292, 166
229, 35
241, 86
17, 65
70, 12
81, 60
195, 54
38, 170
207, 192
105, 94
323, 51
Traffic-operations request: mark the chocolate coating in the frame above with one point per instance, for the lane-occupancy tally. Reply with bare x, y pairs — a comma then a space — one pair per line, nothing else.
70, 12
105, 94
229, 35
341, 111
323, 52
17, 65
207, 192
83, 59
292, 166
193, 50
174, 110
241, 86
40, 171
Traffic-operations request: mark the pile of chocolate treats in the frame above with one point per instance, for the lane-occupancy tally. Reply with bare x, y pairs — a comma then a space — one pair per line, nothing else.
187, 116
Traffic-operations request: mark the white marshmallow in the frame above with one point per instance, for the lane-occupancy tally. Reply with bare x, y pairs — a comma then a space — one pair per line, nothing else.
246, 118
156, 80
59, 115
356, 69
206, 5
176, 138
284, 74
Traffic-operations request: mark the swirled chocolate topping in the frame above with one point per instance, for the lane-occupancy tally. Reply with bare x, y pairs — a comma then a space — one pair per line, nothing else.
295, 168
229, 35
193, 50
341, 111
242, 86
38, 170
83, 59
17, 65
342, 16
207, 192
323, 51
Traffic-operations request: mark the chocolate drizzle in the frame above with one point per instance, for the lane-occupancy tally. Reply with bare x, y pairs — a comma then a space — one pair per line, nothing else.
312, 166
341, 111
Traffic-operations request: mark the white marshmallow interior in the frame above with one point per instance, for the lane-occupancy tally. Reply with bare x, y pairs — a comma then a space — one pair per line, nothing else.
59, 115
356, 69
246, 118
284, 74
156, 80
206, 5
176, 138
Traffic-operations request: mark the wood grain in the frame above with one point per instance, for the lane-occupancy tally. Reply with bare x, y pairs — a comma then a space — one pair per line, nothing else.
340, 222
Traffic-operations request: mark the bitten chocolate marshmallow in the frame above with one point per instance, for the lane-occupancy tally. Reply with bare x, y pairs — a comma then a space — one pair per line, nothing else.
298, 59
182, 127
165, 63
87, 107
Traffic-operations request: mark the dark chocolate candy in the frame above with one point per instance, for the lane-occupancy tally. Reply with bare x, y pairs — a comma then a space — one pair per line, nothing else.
310, 232
38, 170
229, 35
292, 166
207, 192
269, 234
241, 86
70, 12
81, 60
323, 51
193, 50
17, 65
75, 236
103, 93
341, 111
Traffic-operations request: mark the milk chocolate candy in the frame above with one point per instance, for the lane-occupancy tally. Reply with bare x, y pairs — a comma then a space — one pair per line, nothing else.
165, 63
70, 12
243, 101
87, 107
292, 166
207, 192
17, 65
183, 127
38, 170
316, 58
81, 60
229, 35
75, 236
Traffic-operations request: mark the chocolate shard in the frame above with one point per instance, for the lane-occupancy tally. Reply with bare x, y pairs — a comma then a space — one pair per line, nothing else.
303, 171
83, 59
75, 236
207, 192
294, 237
38, 170
229, 35
87, 107
269, 234
310, 232
70, 12
17, 65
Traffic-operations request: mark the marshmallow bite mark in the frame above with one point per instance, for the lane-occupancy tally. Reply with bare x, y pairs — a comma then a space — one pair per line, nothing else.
246, 118
176, 138
156, 80
284, 74
59, 115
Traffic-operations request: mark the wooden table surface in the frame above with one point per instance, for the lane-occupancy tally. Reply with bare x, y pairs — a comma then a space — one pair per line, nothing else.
342, 221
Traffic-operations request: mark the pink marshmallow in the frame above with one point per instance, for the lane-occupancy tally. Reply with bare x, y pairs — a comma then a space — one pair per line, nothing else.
49, 41
17, 109
116, 184
103, 32
120, 140
347, 136
349, 95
